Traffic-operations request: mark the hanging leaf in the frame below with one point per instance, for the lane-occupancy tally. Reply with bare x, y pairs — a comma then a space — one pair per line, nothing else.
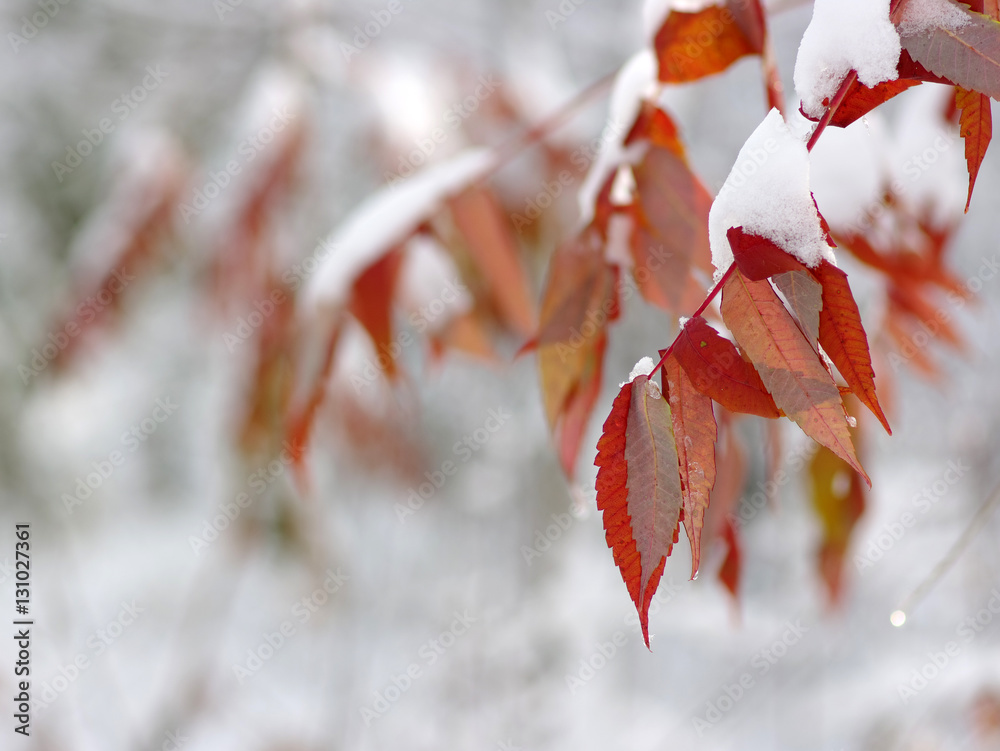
638, 489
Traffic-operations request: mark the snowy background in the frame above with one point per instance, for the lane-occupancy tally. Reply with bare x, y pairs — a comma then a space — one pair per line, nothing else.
439, 632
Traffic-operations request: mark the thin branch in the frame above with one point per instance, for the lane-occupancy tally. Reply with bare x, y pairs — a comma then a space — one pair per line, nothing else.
961, 545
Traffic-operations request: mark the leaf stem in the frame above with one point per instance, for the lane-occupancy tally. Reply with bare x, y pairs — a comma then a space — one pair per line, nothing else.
701, 309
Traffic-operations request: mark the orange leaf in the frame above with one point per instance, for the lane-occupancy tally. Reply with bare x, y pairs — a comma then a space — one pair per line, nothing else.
690, 46
694, 434
717, 370
371, 303
671, 228
839, 500
638, 489
480, 219
787, 364
976, 127
844, 339
729, 573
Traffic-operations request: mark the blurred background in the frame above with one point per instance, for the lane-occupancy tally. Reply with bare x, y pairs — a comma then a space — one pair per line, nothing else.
186, 188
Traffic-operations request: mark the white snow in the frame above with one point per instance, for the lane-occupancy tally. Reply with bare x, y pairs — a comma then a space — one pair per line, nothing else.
636, 81
386, 218
643, 367
767, 193
842, 35
922, 15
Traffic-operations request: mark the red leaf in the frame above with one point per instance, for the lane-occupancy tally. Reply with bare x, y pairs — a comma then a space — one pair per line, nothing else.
638, 489
861, 100
839, 500
690, 46
844, 339
371, 302
787, 364
671, 229
487, 234
729, 573
976, 127
968, 56
694, 435
757, 257
717, 370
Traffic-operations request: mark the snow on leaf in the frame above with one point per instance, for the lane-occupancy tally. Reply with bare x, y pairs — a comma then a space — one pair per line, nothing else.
718, 371
789, 367
844, 339
757, 257
976, 127
386, 219
805, 295
638, 489
844, 35
767, 194
964, 47
694, 433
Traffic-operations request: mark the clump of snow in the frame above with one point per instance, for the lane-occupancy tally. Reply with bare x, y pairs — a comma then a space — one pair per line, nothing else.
386, 218
643, 367
654, 12
842, 35
636, 81
767, 193
920, 16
